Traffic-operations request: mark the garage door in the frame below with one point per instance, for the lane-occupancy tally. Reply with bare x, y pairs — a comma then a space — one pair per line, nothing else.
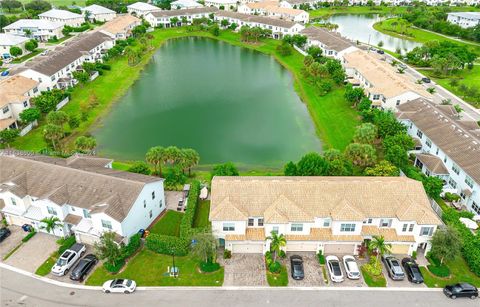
247, 248
16, 220
301, 246
339, 249
400, 249
85, 239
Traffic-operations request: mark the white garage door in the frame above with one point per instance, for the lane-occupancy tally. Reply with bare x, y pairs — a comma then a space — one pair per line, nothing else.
247, 248
339, 249
85, 239
400, 249
17, 220
301, 246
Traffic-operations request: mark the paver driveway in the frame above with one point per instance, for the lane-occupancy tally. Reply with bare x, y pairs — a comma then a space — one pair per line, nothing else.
245, 270
33, 252
313, 271
11, 241
399, 283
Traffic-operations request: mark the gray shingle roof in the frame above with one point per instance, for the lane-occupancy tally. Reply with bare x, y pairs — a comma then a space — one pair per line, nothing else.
258, 19
331, 39
184, 12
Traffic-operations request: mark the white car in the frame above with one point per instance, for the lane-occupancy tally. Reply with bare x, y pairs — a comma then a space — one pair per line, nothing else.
351, 267
119, 286
334, 269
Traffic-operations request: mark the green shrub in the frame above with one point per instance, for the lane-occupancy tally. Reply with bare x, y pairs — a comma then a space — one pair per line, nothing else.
414, 255
114, 269
66, 243
274, 267
373, 267
132, 246
282, 254
169, 245
186, 225
208, 267
451, 197
440, 271
227, 254
321, 258
29, 236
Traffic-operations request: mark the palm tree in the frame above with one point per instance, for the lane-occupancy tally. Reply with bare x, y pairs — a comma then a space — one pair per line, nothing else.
50, 223
378, 243
156, 156
131, 55
53, 133
173, 155
276, 242
191, 159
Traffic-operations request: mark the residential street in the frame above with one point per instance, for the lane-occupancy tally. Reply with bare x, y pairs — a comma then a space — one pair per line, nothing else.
20, 290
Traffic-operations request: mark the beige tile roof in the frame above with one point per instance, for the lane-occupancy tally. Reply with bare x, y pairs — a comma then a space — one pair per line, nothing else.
5, 123
433, 163
383, 77
255, 234
330, 39
304, 198
120, 24
389, 234
14, 89
257, 19
461, 142
235, 237
185, 12
72, 219
324, 234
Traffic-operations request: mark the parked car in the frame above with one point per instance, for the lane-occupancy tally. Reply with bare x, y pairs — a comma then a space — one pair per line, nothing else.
426, 80
84, 266
402, 66
5, 73
394, 268
119, 286
4, 233
412, 270
379, 51
68, 259
296, 263
461, 290
334, 269
351, 267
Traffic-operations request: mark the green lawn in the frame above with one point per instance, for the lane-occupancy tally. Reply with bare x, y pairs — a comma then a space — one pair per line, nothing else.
122, 166
169, 224
373, 281
61, 40
45, 268
58, 3
459, 273
150, 269
278, 280
27, 56
201, 215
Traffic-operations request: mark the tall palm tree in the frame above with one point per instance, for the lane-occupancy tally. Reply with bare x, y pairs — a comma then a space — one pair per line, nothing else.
173, 155
378, 243
156, 156
191, 158
53, 133
50, 224
276, 242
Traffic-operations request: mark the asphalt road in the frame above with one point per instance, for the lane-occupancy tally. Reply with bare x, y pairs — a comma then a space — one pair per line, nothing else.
20, 290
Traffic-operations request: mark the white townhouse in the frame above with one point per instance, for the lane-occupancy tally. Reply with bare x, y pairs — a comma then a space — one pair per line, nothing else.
272, 9
55, 70
447, 147
121, 27
295, 4
84, 192
67, 18
185, 4
8, 41
96, 12
140, 9
15, 95
41, 30
163, 18
334, 215
464, 19
333, 45
383, 84
227, 5
279, 27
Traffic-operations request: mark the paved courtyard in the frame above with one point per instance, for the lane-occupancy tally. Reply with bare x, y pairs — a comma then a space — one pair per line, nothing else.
12, 241
172, 198
245, 270
313, 271
66, 278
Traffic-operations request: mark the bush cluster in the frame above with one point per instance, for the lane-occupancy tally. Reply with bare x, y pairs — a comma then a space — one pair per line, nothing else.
373, 267
208, 267
321, 258
114, 268
186, 225
227, 254
168, 245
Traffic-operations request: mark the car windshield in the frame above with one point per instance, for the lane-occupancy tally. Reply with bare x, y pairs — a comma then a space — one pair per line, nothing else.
336, 268
61, 262
297, 267
129, 283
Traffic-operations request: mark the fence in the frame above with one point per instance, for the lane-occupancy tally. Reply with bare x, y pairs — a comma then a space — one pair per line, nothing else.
62, 103
28, 128
436, 207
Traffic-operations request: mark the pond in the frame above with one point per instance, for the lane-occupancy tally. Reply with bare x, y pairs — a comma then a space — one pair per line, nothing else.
360, 27
226, 102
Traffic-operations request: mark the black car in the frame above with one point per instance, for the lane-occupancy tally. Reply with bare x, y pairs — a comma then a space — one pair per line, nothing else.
379, 51
4, 233
426, 80
296, 263
461, 290
412, 270
83, 267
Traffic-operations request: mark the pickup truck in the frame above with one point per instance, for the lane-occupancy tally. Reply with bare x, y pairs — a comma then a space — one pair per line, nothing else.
68, 259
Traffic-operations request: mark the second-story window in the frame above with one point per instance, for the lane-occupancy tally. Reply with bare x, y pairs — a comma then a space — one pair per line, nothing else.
326, 222
275, 229
51, 210
153, 195
426, 231
251, 222
419, 134
469, 181
428, 142
106, 224
455, 168
296, 227
14, 202
404, 227
260, 222
385, 222
86, 214
228, 227
347, 227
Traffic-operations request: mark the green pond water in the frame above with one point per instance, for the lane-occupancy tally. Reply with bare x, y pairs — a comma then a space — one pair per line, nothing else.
226, 102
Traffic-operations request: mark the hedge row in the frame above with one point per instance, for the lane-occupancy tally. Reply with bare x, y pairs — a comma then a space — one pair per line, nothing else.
29, 236
169, 245
186, 225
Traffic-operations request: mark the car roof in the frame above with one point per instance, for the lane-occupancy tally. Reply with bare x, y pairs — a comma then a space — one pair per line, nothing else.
467, 286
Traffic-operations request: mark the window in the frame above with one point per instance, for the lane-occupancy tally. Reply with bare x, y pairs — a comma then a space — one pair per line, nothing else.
410, 229
476, 208
86, 214
404, 227
428, 142
455, 168
347, 227
452, 183
368, 221
161, 203
469, 181
144, 203
419, 134
326, 222
251, 222
228, 227
275, 229
106, 224
150, 213
296, 227
426, 231
427, 172
385, 222
5, 110
51, 210
25, 104
153, 195
14, 202
260, 222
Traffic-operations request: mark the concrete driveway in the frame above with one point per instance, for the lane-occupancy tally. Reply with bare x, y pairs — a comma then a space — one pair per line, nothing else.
11, 241
34, 252
245, 270
399, 283
66, 278
313, 271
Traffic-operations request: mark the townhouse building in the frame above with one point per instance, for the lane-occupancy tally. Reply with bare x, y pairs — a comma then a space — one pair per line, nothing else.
227, 5
383, 84
96, 12
140, 9
120, 27
67, 18
279, 27
84, 193
333, 45
464, 19
334, 215
163, 18
8, 41
447, 147
55, 70
185, 4
41, 30
272, 9
15, 95
295, 4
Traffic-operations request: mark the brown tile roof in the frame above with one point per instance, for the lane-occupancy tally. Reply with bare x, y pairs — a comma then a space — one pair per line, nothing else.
72, 219
433, 163
389, 234
330, 39
255, 234
304, 198
460, 143
88, 187
119, 24
185, 12
323, 234
235, 237
14, 89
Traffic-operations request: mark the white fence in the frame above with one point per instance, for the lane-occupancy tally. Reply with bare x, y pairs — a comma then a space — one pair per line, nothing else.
300, 50
62, 103
28, 128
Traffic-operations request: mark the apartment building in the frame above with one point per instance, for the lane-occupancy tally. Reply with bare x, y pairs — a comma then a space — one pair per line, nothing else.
185, 4
333, 45
273, 9
41, 30
67, 18
140, 9
163, 18
464, 19
7, 41
120, 27
227, 5
96, 12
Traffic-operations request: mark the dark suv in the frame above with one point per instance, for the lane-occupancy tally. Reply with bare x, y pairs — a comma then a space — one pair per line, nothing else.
4, 233
394, 268
83, 267
297, 267
412, 270
461, 290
